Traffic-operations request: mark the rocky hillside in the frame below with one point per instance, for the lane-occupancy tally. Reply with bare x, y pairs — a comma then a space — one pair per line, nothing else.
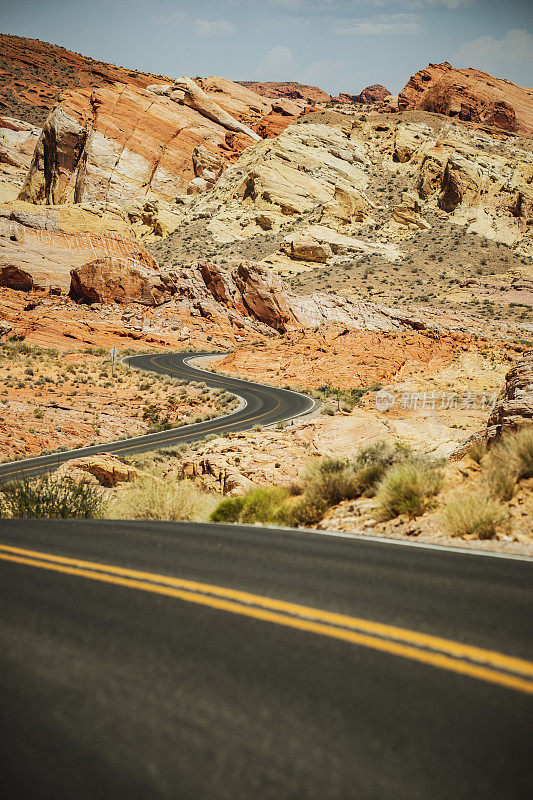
130, 187
34, 73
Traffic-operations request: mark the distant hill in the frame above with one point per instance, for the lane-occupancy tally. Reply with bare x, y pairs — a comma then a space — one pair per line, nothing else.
290, 89
34, 73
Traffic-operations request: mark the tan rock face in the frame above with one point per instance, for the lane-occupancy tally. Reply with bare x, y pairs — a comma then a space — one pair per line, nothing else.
514, 405
461, 183
471, 95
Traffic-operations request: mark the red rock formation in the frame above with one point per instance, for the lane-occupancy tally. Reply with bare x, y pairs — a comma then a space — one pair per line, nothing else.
470, 95
371, 94
118, 143
289, 89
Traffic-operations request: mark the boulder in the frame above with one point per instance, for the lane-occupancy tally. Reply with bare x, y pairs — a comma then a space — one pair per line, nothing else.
119, 280
405, 215
514, 404
305, 248
102, 469
347, 206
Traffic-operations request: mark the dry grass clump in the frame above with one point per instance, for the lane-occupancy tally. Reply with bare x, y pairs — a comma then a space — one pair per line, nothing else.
157, 497
508, 462
330, 480
49, 497
476, 514
408, 488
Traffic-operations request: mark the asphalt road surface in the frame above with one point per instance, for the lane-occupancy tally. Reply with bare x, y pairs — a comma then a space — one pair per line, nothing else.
149, 660
263, 405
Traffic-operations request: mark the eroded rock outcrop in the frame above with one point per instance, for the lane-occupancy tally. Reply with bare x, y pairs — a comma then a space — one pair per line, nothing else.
251, 290
40, 258
119, 143
307, 167
470, 95
514, 405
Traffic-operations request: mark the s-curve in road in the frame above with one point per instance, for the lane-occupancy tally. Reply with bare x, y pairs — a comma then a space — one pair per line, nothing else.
187, 661
261, 405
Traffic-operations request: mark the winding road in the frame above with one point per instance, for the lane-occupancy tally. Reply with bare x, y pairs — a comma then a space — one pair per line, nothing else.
262, 405
182, 661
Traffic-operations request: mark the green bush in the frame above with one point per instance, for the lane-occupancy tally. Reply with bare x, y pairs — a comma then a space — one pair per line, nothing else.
228, 510
266, 504
407, 489
476, 514
49, 497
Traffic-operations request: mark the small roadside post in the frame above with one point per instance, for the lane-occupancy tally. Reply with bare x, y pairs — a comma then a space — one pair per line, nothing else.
113, 353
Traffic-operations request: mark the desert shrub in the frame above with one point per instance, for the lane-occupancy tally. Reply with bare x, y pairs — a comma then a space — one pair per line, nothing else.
500, 478
49, 497
372, 461
475, 514
228, 510
157, 497
330, 480
407, 489
264, 504
303, 511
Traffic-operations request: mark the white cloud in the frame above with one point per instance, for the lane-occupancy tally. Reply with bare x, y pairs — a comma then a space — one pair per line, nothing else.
381, 25
486, 51
370, 28
278, 64
208, 28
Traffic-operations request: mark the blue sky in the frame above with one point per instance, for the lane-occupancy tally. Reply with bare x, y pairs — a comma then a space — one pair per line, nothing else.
339, 45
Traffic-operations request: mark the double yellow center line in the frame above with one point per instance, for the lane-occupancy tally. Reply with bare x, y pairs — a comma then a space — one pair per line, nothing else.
475, 662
